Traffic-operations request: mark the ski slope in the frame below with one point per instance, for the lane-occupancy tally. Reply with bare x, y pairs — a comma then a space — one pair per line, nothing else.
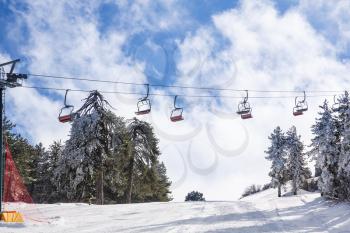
262, 212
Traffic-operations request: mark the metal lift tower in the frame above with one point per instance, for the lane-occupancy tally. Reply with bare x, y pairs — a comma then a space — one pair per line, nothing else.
10, 80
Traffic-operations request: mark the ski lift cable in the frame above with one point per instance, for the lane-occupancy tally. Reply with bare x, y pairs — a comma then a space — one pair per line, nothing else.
170, 95
178, 86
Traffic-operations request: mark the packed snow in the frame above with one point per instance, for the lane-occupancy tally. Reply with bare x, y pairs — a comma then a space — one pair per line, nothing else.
261, 212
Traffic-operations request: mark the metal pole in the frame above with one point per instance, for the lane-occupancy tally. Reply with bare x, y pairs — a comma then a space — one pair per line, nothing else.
9, 83
1, 149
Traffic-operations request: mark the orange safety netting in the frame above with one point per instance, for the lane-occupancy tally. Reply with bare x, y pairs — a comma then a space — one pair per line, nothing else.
14, 188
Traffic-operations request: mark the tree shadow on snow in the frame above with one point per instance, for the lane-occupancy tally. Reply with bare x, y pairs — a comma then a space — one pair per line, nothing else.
314, 216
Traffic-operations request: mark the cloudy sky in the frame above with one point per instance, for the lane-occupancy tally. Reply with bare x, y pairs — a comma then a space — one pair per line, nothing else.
285, 45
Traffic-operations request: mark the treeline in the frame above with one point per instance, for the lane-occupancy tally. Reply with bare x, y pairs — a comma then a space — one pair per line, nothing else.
106, 159
330, 148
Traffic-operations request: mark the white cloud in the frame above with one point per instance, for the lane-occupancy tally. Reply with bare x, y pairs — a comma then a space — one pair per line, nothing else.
144, 15
269, 51
331, 18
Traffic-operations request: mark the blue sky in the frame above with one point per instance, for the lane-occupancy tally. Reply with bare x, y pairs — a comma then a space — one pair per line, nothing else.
255, 45
108, 16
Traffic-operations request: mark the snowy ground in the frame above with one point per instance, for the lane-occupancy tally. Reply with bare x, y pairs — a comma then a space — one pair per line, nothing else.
262, 212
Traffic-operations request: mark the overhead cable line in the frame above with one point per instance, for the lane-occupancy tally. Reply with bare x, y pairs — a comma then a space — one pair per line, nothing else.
160, 94
179, 86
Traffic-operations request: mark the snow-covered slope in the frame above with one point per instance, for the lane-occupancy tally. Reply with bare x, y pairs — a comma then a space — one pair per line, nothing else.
262, 212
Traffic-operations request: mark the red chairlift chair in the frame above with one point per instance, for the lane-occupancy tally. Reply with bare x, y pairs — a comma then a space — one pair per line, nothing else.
176, 113
247, 115
297, 112
300, 106
244, 109
144, 104
66, 113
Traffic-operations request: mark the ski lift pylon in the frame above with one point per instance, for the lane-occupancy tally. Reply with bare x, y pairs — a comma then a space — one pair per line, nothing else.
176, 113
12, 79
300, 106
144, 104
62, 117
244, 109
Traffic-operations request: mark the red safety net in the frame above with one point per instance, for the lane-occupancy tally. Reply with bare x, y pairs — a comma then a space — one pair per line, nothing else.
14, 188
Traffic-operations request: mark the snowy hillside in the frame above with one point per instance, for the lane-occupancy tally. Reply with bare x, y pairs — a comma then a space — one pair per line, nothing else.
262, 212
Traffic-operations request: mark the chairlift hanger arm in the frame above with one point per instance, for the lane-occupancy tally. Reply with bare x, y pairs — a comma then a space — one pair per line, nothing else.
147, 85
175, 98
65, 98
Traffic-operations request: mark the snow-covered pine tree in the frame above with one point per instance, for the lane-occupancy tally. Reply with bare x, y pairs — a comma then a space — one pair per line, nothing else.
90, 151
325, 151
142, 151
343, 121
55, 153
297, 168
44, 188
277, 155
42, 183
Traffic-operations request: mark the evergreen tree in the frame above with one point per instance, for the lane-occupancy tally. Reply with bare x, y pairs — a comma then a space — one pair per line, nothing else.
95, 162
151, 184
23, 153
277, 155
41, 172
161, 189
86, 158
45, 190
325, 150
297, 169
343, 122
142, 151
194, 196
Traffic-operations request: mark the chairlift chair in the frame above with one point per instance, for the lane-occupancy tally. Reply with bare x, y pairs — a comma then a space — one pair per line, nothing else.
244, 109
66, 113
300, 106
247, 115
297, 111
337, 105
144, 104
176, 113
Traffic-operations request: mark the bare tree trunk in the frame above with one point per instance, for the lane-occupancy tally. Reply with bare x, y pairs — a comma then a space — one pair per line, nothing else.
130, 182
279, 189
294, 187
99, 187
102, 189
130, 175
